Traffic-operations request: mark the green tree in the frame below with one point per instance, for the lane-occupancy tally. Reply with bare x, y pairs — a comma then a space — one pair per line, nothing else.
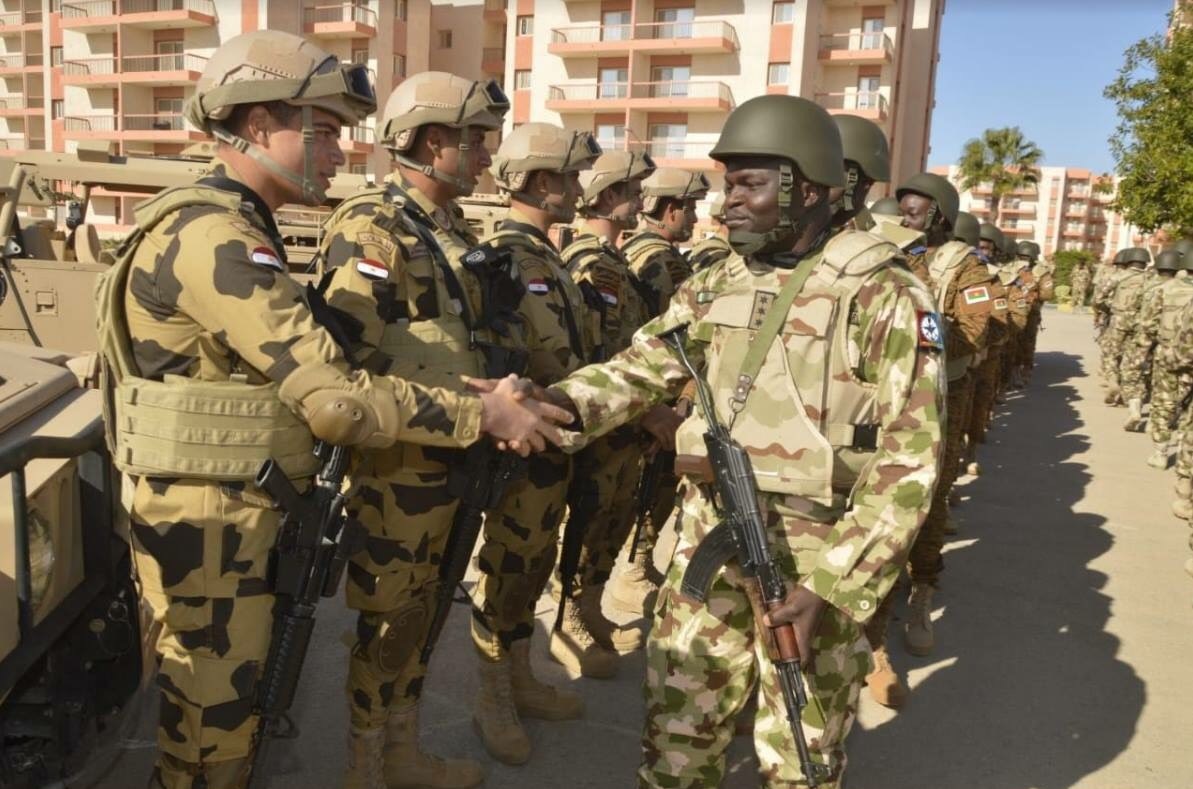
1151, 144
1002, 158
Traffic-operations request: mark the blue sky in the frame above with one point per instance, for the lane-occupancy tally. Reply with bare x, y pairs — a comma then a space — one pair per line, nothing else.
1040, 65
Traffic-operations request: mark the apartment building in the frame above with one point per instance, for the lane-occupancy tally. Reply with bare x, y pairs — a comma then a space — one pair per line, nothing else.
662, 75
1067, 210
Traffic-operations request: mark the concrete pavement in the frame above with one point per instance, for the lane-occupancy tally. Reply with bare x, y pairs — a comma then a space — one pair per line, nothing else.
1063, 637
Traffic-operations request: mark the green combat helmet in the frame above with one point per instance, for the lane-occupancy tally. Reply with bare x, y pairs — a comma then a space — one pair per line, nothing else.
887, 206
993, 238
1169, 262
1010, 249
947, 202
1185, 247
1028, 250
798, 132
1120, 258
269, 65
445, 100
1136, 256
866, 154
967, 229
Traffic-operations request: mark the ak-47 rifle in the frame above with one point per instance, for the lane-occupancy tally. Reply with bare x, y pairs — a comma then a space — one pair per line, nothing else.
314, 544
742, 535
648, 490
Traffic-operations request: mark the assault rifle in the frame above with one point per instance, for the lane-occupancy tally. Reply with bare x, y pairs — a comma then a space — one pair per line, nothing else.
314, 544
742, 535
648, 490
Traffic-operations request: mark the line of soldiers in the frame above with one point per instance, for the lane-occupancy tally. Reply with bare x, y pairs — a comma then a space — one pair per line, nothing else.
857, 410
1143, 316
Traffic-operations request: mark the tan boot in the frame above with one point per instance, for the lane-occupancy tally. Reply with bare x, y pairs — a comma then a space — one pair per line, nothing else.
634, 591
1112, 395
951, 525
405, 766
574, 647
917, 633
1189, 565
1182, 509
1184, 487
608, 633
535, 699
364, 759
495, 716
1134, 421
885, 685
1159, 458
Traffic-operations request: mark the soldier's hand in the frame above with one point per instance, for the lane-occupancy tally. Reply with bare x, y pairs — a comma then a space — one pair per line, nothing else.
662, 421
517, 421
802, 610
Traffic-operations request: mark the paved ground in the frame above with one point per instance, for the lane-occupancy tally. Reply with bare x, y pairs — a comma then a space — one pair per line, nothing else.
1064, 635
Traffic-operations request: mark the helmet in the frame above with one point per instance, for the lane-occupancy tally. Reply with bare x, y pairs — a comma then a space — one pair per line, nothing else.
864, 143
613, 167
1185, 247
887, 206
446, 100
988, 232
541, 146
788, 127
1119, 258
1170, 260
1009, 248
1028, 249
717, 209
938, 188
967, 228
1136, 255
269, 65
674, 183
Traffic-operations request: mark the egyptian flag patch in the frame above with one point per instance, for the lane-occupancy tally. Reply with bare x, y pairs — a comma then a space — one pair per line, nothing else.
609, 296
371, 269
538, 286
928, 330
264, 256
976, 295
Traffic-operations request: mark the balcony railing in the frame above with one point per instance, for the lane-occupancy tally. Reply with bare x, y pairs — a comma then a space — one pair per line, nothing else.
161, 121
673, 149
174, 61
101, 8
14, 18
362, 134
855, 101
340, 12
651, 31
22, 102
857, 42
598, 91
20, 60
89, 123
89, 67
494, 6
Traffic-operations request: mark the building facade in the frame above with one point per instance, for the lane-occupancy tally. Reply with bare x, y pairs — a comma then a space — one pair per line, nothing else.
1067, 210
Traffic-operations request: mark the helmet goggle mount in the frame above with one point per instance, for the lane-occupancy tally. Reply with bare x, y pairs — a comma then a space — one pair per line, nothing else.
640, 164
582, 150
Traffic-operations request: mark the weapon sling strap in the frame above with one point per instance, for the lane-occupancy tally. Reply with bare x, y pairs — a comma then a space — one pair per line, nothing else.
769, 330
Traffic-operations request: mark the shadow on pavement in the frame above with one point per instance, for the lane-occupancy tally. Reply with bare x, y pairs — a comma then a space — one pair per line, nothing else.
1025, 688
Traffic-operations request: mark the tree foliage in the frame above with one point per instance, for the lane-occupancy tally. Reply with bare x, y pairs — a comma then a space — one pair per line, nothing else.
1151, 144
1066, 260
1002, 158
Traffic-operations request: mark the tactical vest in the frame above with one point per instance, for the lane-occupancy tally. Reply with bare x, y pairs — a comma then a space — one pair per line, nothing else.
1126, 299
444, 344
1174, 299
183, 427
639, 250
708, 252
584, 252
809, 425
944, 267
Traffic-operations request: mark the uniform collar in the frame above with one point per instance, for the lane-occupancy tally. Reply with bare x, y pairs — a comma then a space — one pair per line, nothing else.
439, 215
516, 220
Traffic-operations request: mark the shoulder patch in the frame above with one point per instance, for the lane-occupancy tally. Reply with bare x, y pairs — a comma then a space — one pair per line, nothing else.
979, 294
371, 269
928, 330
705, 296
609, 296
539, 286
384, 243
264, 256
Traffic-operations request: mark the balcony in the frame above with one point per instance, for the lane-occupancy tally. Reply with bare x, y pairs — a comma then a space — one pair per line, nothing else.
857, 49
871, 105
102, 16
19, 22
159, 127
1070, 232
699, 37
1019, 230
18, 63
172, 69
1018, 210
14, 106
340, 20
495, 11
677, 153
358, 139
493, 60
698, 96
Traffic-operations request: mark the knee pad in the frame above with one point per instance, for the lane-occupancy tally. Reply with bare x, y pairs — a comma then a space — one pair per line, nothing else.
400, 633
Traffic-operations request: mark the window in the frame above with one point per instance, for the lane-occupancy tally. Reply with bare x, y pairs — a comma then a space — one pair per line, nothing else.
55, 56
522, 80
613, 83
401, 10
526, 25
867, 93
611, 136
676, 22
57, 109
360, 56
667, 140
872, 33
169, 114
615, 26
783, 13
360, 169
400, 66
670, 81
170, 55
778, 73
445, 39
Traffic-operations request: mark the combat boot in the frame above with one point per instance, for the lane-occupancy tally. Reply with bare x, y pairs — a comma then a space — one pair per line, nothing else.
635, 590
1189, 565
972, 468
1134, 421
608, 633
535, 699
495, 715
1112, 395
1184, 487
1182, 509
1160, 458
574, 647
951, 526
364, 759
917, 633
885, 686
405, 766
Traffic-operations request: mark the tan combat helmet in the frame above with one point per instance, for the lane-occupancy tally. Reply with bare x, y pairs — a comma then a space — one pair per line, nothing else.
436, 97
542, 146
269, 65
611, 168
672, 182
716, 211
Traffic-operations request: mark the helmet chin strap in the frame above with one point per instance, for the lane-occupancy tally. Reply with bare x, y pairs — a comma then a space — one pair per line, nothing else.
779, 238
463, 184
306, 181
556, 212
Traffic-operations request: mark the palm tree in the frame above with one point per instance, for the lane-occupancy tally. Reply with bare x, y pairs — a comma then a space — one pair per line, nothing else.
1002, 158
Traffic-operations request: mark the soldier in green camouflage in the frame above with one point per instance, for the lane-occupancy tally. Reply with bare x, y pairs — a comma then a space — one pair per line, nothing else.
1139, 354
1180, 361
203, 328
1079, 284
1159, 326
395, 275
1122, 299
843, 492
714, 248
538, 165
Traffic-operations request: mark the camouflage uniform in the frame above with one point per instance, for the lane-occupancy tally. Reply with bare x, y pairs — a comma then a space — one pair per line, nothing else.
702, 660
400, 302
986, 376
1169, 388
1127, 301
1079, 284
209, 301
1136, 369
708, 252
1104, 308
